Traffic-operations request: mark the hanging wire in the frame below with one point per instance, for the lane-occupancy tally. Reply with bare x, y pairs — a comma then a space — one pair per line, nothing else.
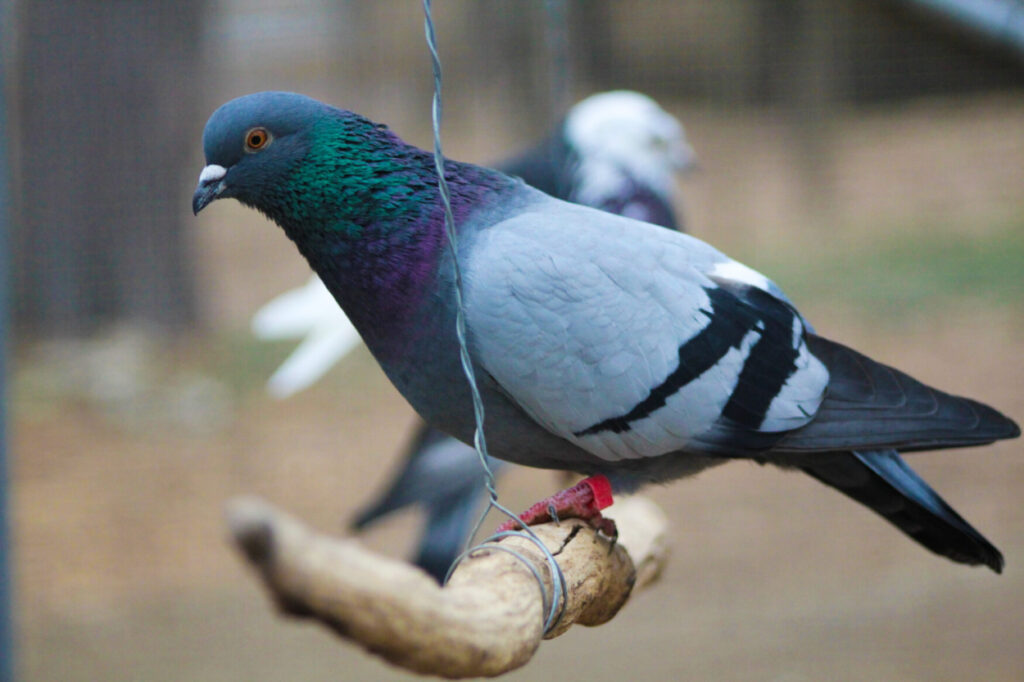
479, 441
556, 604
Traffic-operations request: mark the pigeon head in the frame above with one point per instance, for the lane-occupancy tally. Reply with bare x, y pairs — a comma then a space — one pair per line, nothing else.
251, 143
629, 130
305, 164
361, 205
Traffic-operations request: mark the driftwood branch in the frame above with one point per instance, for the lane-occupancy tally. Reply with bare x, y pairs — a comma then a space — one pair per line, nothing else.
486, 621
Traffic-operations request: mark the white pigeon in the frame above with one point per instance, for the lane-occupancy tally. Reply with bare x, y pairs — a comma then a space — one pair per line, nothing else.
309, 313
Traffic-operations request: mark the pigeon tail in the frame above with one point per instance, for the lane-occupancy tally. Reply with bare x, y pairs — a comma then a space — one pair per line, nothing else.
883, 482
413, 483
446, 531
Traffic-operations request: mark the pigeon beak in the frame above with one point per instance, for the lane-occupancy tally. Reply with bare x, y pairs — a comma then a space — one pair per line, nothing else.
211, 184
684, 159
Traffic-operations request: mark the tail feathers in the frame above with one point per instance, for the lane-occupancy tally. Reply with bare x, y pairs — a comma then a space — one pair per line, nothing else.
433, 467
871, 406
374, 512
446, 531
885, 483
444, 478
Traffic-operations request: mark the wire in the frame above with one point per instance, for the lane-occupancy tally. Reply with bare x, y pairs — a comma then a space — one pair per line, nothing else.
479, 440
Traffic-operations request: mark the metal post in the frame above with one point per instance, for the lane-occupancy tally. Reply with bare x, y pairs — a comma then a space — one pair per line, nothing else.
6, 628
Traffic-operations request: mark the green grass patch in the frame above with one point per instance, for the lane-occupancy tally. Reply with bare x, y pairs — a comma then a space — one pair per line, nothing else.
908, 272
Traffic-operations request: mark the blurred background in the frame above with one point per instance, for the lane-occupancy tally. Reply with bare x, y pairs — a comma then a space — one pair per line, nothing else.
866, 154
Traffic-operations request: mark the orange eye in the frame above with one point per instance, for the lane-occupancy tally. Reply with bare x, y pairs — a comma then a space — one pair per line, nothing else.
256, 139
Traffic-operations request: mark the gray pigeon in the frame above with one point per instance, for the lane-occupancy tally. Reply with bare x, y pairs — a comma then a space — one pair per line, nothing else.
603, 344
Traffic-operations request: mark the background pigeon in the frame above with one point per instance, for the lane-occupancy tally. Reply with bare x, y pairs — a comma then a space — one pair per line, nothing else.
603, 344
618, 151
443, 476
309, 313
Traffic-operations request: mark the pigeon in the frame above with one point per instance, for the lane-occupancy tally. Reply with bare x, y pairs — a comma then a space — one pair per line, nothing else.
618, 151
602, 344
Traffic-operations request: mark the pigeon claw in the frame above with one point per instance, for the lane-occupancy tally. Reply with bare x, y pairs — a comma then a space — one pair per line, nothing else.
583, 501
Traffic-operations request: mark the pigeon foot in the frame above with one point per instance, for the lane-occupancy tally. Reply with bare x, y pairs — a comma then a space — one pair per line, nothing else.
583, 501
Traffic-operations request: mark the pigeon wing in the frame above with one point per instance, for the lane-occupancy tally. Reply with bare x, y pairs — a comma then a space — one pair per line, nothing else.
627, 340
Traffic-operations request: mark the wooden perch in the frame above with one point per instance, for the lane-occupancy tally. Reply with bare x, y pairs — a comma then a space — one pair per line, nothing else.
487, 621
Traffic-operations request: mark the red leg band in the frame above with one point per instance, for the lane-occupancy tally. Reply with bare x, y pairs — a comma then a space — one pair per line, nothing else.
601, 488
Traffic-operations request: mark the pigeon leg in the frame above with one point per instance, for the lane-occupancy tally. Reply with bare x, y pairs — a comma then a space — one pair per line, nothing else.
585, 500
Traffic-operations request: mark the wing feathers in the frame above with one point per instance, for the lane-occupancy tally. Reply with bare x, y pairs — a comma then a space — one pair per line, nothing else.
870, 405
696, 356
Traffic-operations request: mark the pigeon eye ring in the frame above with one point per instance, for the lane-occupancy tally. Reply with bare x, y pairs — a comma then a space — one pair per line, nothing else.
256, 139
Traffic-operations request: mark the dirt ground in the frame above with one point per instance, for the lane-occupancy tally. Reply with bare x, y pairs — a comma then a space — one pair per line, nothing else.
120, 473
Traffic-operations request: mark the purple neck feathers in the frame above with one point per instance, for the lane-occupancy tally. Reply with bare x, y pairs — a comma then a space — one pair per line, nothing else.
392, 273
